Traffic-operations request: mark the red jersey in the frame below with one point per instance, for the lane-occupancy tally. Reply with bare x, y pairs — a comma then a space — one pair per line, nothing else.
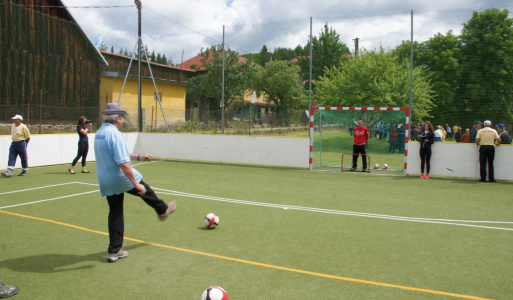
361, 135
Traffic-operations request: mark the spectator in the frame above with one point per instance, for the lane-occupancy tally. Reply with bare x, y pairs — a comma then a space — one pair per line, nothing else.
386, 129
415, 133
426, 138
392, 139
83, 144
456, 129
401, 137
7, 291
444, 133
505, 138
20, 136
117, 176
457, 135
438, 134
465, 138
361, 135
488, 138
474, 130
448, 130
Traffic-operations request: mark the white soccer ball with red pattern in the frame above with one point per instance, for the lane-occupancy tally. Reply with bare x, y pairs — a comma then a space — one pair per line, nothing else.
376, 166
211, 220
384, 167
214, 293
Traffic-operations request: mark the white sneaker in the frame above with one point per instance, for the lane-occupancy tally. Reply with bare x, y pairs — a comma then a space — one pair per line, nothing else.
171, 207
113, 257
7, 174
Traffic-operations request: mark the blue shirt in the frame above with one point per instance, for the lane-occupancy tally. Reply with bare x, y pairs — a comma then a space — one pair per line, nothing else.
111, 150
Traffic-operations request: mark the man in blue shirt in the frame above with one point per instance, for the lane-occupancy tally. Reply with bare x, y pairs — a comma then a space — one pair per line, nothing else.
116, 176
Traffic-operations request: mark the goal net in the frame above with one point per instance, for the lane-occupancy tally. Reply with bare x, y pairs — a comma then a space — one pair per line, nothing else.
331, 137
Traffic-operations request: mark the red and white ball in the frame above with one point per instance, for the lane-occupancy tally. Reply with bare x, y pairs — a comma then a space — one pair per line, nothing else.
376, 166
214, 293
211, 220
384, 167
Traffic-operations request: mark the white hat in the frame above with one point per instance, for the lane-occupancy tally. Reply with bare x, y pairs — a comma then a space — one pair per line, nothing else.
17, 117
488, 122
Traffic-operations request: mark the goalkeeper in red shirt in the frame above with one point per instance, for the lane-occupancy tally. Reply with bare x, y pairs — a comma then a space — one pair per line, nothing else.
361, 135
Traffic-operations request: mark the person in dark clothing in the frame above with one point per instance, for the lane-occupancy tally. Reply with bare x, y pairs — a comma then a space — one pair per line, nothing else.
426, 139
473, 132
83, 144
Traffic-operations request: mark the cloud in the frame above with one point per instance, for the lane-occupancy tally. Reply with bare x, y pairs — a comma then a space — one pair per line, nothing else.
173, 27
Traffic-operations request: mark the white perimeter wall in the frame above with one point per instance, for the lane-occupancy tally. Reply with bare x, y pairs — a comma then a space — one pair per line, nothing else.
462, 159
266, 151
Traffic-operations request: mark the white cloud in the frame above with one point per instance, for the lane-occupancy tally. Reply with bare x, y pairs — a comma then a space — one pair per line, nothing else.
170, 27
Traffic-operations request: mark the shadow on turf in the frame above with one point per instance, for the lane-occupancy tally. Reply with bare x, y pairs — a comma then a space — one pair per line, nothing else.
54, 263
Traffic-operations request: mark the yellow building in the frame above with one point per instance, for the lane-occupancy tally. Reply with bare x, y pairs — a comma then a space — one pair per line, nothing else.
171, 86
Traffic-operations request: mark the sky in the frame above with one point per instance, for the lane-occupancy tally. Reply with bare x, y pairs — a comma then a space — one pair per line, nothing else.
182, 29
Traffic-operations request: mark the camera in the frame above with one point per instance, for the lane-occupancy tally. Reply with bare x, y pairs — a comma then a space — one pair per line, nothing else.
88, 121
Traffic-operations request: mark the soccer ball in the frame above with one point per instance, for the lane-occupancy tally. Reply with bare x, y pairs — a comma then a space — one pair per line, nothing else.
376, 166
211, 220
214, 293
384, 167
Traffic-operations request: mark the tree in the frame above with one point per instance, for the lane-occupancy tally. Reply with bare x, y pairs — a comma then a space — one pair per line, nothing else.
264, 57
280, 84
438, 57
486, 83
283, 54
375, 79
238, 75
328, 51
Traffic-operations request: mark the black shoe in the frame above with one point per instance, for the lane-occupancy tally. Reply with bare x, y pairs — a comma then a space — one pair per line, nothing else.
492, 180
482, 180
24, 173
353, 169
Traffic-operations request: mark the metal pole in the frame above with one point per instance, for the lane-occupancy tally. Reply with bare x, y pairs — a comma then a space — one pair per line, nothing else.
222, 92
411, 67
310, 81
411, 84
139, 91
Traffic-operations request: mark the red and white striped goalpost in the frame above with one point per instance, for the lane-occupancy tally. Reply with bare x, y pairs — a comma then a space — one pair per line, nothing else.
407, 125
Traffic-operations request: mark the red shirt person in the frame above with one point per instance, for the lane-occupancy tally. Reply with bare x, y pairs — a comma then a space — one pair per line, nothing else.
361, 135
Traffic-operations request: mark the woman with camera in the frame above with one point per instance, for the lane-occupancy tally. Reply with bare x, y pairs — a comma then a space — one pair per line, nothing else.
83, 144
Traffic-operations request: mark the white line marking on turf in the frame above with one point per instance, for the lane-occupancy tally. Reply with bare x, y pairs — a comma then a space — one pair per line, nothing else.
37, 188
349, 213
51, 199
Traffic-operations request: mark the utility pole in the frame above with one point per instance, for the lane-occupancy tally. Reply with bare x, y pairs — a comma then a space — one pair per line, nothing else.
139, 57
356, 47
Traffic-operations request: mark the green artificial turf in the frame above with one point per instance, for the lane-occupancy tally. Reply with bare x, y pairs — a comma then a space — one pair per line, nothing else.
283, 234
332, 143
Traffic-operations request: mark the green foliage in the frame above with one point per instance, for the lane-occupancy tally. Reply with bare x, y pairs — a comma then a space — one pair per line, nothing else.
238, 76
486, 65
283, 54
280, 84
264, 56
328, 51
375, 79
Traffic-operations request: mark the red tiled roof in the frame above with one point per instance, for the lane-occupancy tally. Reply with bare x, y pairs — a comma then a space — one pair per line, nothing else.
196, 61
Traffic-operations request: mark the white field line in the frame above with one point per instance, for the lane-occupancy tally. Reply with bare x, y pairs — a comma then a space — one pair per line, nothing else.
50, 199
282, 206
349, 213
37, 188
